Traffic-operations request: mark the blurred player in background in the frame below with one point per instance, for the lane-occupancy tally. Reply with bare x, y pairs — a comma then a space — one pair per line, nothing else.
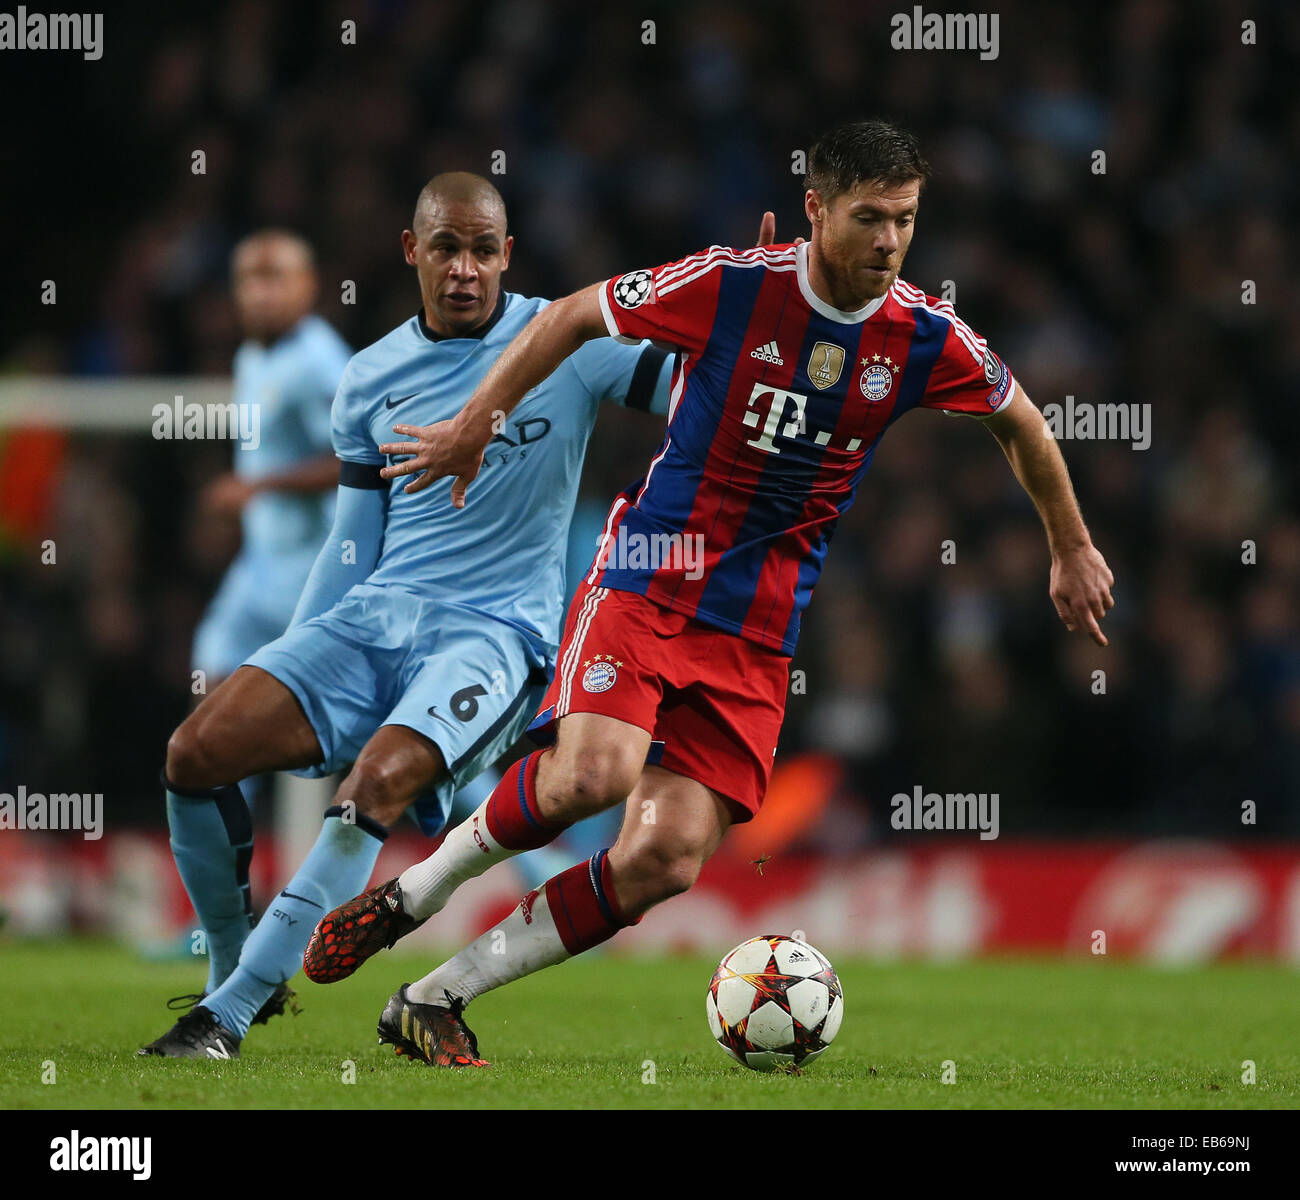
424, 638
282, 487
672, 681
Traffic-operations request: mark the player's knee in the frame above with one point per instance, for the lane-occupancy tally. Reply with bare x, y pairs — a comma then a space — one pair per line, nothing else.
593, 782
658, 871
192, 759
379, 788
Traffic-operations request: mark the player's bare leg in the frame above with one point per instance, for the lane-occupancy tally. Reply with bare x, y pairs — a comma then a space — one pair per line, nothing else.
392, 769
395, 767
250, 723
595, 763
671, 827
670, 830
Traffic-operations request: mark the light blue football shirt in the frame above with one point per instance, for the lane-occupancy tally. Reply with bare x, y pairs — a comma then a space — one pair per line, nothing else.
292, 383
503, 554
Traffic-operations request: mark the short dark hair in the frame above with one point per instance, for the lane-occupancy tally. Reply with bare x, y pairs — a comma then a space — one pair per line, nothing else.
873, 151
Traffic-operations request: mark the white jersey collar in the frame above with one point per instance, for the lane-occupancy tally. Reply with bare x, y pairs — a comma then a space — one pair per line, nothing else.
818, 305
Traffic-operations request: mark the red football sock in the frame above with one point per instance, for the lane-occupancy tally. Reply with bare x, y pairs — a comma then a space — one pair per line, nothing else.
583, 906
513, 818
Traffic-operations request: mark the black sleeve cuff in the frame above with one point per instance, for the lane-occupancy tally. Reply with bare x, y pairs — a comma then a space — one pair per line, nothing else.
641, 391
364, 475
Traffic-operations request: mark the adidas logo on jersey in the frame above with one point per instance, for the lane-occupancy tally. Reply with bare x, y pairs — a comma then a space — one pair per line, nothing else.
768, 354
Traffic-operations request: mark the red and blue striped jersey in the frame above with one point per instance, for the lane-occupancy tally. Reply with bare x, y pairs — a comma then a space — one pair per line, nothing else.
778, 401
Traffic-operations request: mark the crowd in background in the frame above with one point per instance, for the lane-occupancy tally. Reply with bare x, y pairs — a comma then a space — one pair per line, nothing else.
1117, 287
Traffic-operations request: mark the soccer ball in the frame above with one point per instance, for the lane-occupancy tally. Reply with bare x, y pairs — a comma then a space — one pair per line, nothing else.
774, 1002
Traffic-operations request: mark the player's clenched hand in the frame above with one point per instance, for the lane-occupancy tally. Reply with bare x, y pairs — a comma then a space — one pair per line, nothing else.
438, 451
1080, 589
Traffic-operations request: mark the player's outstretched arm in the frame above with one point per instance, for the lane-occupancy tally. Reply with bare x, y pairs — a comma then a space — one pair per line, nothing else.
1080, 580
456, 447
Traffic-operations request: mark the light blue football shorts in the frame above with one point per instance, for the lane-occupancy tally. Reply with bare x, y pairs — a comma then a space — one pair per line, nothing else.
253, 606
467, 681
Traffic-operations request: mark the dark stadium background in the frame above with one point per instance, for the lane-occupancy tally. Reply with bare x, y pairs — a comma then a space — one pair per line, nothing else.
1117, 288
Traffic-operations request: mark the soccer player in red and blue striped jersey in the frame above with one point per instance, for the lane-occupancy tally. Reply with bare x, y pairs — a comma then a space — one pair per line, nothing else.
793, 361
778, 404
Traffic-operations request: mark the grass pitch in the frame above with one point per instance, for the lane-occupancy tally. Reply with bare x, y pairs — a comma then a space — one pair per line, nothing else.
592, 1033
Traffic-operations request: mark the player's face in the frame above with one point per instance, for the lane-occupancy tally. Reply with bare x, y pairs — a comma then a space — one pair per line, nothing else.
458, 252
862, 236
274, 287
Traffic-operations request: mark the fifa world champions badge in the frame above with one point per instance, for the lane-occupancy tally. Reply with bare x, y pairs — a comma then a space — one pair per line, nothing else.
825, 364
601, 673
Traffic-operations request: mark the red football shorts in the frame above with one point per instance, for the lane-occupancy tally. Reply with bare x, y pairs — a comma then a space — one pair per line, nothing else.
711, 701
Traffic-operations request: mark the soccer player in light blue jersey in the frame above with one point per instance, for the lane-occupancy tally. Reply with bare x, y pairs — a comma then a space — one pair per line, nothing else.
286, 372
425, 636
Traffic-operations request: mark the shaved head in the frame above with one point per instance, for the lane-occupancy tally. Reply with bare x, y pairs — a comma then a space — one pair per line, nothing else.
459, 246
457, 189
273, 272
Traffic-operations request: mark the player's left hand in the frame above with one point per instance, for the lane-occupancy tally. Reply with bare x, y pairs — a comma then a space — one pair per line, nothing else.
1080, 589
438, 451
767, 231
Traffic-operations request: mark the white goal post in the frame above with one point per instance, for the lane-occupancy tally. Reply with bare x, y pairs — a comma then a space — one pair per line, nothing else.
126, 404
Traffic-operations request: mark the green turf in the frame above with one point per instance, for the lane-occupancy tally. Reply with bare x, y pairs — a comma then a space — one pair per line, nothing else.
1022, 1034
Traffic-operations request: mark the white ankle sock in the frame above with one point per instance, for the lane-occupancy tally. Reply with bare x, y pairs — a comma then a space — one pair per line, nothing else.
468, 850
526, 941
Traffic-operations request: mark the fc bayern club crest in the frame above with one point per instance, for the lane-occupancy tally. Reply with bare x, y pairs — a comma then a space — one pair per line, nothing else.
601, 673
876, 381
632, 289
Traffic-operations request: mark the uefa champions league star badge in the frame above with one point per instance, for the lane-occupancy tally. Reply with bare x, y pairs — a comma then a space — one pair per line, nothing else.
600, 674
632, 289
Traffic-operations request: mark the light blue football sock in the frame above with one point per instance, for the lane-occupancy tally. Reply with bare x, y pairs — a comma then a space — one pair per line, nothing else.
212, 843
337, 868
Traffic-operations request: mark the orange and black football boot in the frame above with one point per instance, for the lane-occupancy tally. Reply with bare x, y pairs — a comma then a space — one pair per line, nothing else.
344, 938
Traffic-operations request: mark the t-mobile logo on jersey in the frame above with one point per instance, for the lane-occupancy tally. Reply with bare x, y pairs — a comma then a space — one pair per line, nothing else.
777, 400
